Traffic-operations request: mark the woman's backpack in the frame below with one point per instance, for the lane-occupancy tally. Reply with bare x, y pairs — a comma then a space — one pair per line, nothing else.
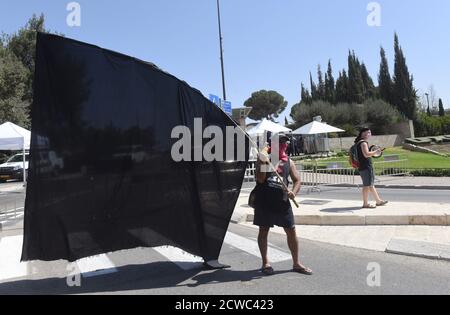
353, 157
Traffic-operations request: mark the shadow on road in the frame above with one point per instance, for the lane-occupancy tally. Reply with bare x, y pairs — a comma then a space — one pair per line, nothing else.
128, 278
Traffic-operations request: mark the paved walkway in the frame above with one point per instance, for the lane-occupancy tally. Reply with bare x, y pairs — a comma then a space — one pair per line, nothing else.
348, 212
415, 229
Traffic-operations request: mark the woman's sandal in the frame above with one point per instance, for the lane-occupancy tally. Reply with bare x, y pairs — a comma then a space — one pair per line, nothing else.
383, 203
268, 271
369, 207
303, 271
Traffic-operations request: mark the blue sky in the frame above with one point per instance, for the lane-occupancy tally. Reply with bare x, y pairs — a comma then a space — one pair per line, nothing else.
268, 44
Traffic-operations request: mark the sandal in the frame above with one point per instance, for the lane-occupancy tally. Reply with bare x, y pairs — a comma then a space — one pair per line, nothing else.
383, 203
369, 207
268, 271
303, 271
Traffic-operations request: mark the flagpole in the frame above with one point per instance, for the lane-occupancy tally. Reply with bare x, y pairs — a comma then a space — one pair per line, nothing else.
221, 52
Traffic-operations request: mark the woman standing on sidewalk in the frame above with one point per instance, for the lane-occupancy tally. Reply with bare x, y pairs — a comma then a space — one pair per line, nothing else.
272, 205
366, 169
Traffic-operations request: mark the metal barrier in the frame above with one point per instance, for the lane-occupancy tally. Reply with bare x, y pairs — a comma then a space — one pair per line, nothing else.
11, 208
250, 171
315, 174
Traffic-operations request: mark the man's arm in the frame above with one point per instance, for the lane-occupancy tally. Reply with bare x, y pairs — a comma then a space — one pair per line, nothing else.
365, 150
296, 179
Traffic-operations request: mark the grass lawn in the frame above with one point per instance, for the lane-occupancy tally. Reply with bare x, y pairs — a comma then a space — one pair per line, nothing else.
416, 160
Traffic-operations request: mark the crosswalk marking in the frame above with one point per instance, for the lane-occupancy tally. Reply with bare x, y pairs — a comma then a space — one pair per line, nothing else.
251, 247
182, 259
10, 252
96, 266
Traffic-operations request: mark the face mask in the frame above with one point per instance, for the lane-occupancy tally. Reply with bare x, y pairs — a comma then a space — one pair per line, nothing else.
283, 155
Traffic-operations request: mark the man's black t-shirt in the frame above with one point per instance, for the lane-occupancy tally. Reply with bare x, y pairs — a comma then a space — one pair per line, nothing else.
364, 163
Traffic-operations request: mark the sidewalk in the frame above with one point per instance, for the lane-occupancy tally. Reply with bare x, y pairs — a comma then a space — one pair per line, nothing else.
348, 212
406, 182
406, 228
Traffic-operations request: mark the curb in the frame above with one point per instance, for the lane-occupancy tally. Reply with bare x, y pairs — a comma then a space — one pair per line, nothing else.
423, 187
419, 249
363, 220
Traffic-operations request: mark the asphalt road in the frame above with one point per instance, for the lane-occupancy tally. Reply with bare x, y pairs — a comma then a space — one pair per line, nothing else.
338, 270
401, 195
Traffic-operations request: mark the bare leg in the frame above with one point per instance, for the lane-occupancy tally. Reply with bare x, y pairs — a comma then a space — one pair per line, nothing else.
375, 195
365, 192
262, 243
293, 247
293, 244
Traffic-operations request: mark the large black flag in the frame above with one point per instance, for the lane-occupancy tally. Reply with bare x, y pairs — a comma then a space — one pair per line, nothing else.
101, 174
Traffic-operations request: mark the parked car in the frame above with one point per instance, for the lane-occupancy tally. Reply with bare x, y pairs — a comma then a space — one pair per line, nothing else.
13, 168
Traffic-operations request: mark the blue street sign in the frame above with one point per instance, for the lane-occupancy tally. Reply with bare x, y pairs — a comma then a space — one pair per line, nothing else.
224, 105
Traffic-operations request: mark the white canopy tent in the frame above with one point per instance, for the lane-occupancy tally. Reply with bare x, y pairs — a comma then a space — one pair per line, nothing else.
260, 131
13, 137
267, 126
315, 128
312, 131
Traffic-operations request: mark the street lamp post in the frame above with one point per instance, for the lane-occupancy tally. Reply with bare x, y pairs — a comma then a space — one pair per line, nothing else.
221, 52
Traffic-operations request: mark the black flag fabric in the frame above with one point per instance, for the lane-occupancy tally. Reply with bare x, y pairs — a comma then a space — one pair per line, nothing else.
102, 175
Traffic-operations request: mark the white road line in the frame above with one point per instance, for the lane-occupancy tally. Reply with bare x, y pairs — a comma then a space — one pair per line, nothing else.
179, 257
251, 247
96, 266
10, 253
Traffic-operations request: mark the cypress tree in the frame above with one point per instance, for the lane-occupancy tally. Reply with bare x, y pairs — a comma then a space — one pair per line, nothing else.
385, 85
314, 94
330, 89
404, 94
369, 87
355, 82
441, 108
342, 88
321, 86
306, 97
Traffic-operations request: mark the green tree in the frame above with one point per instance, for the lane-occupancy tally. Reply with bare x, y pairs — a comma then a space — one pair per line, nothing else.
13, 77
266, 104
321, 84
305, 96
314, 93
330, 89
385, 84
356, 90
369, 86
342, 88
404, 94
441, 108
23, 45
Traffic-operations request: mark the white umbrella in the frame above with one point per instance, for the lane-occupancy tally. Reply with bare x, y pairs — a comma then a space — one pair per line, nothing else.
315, 128
267, 126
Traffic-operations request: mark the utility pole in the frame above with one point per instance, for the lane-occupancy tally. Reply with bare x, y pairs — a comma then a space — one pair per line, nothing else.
221, 52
